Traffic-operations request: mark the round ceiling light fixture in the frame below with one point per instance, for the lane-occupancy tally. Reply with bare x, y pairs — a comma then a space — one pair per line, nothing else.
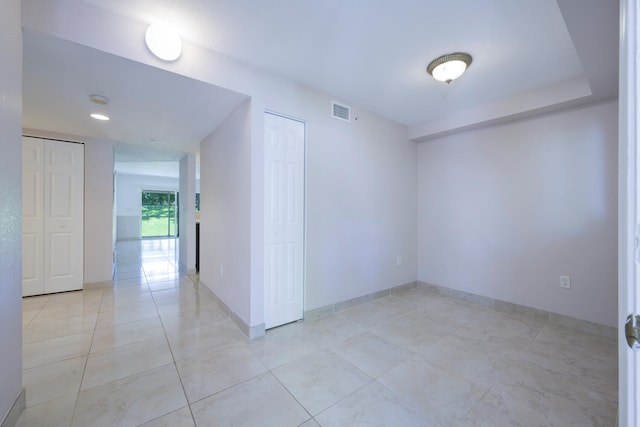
163, 41
449, 67
99, 116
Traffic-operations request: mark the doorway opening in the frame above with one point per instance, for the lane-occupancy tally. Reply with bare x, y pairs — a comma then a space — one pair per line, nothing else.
159, 216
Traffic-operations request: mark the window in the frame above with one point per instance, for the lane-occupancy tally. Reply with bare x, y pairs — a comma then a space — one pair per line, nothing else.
159, 214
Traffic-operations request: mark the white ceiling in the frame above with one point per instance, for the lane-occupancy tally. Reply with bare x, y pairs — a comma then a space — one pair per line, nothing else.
157, 114
370, 53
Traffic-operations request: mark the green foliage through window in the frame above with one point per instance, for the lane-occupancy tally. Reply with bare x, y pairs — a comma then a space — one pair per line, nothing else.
159, 214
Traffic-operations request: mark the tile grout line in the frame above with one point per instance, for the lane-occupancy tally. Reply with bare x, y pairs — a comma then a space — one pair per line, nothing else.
86, 362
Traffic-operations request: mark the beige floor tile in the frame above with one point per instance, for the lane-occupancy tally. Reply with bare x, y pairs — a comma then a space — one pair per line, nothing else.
55, 349
56, 413
371, 354
43, 327
126, 275
396, 306
262, 401
163, 277
372, 405
491, 341
583, 343
179, 282
123, 361
67, 299
416, 330
277, 348
118, 292
108, 319
507, 326
174, 308
127, 300
433, 391
339, 327
321, 379
370, 314
546, 392
498, 409
212, 371
481, 368
127, 333
197, 341
180, 418
139, 282
421, 296
28, 316
193, 319
132, 400
437, 360
35, 302
579, 368
52, 381
61, 311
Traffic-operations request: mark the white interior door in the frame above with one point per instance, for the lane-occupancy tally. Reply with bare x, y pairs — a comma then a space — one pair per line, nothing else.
63, 216
32, 216
628, 213
284, 220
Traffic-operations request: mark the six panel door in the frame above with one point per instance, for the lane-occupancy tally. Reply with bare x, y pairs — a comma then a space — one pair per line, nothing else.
284, 220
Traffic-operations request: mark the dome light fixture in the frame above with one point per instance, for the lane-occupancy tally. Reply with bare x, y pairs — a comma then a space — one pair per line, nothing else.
449, 67
163, 41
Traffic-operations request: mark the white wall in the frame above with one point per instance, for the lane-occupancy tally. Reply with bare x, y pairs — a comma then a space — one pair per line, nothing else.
11, 202
129, 201
504, 211
187, 217
98, 210
225, 212
361, 206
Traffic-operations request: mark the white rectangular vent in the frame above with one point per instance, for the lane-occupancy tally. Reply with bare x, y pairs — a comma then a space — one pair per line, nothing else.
340, 112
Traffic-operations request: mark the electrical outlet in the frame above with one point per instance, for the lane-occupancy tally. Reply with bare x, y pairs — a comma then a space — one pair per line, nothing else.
565, 282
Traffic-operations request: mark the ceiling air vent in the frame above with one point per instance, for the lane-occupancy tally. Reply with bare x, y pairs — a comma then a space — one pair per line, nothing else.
340, 112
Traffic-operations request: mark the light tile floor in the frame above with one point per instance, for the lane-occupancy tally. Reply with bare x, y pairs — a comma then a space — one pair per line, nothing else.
152, 348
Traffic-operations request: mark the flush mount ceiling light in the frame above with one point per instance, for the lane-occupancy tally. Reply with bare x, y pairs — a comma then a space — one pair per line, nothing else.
102, 101
99, 116
163, 41
449, 67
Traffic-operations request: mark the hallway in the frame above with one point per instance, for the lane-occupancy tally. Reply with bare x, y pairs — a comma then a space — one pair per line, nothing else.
152, 348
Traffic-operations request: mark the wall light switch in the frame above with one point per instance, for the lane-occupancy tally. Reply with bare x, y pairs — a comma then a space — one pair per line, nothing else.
565, 282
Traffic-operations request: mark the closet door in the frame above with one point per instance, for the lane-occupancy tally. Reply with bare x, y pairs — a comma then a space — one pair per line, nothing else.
52, 216
32, 216
284, 220
63, 216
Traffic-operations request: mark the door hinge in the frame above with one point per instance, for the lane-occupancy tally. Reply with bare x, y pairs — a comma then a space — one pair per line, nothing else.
632, 331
